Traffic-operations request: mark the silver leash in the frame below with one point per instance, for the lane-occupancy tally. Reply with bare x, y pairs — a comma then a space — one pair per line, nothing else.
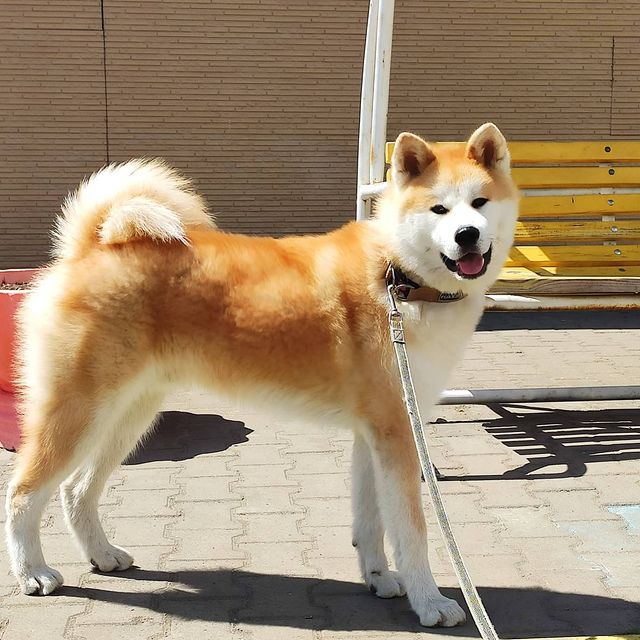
478, 612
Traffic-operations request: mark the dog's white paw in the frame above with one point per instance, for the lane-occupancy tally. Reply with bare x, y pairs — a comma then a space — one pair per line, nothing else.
40, 581
441, 611
111, 558
385, 584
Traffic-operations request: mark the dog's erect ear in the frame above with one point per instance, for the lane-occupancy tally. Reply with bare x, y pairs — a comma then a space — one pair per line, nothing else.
488, 147
411, 156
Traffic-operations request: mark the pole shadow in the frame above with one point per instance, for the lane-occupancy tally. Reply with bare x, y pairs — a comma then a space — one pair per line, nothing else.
566, 438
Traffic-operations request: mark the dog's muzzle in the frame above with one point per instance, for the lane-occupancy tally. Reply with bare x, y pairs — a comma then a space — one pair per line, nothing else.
469, 266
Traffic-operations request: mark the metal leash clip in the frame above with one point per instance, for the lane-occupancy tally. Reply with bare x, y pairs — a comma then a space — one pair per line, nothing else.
401, 289
395, 318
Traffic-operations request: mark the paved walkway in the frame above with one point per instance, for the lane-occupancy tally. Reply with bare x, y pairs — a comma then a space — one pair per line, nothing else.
240, 525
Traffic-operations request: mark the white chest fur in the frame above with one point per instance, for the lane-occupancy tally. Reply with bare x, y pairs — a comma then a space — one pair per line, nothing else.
437, 335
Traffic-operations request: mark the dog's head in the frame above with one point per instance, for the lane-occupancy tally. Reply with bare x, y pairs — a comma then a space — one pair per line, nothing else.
451, 209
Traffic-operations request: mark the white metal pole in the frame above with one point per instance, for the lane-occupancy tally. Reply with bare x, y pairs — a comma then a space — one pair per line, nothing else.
381, 89
363, 204
543, 394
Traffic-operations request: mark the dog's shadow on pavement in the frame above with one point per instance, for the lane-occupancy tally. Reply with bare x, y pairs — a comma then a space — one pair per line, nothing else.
180, 435
247, 599
560, 443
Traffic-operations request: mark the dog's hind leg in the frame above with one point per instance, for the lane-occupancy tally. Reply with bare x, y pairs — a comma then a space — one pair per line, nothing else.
24, 512
49, 451
81, 492
368, 531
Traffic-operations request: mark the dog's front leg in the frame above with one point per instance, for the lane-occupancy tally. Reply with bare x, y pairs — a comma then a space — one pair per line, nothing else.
397, 473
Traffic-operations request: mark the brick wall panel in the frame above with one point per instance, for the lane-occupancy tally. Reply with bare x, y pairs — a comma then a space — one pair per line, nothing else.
52, 131
45, 14
625, 103
257, 101
540, 70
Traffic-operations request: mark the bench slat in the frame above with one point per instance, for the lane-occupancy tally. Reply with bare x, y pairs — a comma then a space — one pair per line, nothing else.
510, 273
577, 231
571, 152
575, 177
577, 256
574, 205
568, 281
567, 286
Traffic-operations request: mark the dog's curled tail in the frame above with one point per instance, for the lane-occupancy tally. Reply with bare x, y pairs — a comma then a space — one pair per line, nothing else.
123, 202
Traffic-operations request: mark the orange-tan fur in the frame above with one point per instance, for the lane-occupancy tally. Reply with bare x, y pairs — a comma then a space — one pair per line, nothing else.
247, 309
136, 302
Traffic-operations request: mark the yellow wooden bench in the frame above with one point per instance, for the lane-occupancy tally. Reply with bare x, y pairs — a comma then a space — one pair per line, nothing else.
577, 238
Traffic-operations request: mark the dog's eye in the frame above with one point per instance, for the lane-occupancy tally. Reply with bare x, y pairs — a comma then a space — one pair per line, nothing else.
439, 209
479, 202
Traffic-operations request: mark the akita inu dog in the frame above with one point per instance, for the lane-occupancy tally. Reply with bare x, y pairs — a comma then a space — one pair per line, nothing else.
145, 293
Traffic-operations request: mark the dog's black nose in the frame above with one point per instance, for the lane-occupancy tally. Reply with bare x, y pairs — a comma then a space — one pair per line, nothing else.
467, 236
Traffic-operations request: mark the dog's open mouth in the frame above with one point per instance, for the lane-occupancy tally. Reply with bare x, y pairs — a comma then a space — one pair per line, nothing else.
470, 265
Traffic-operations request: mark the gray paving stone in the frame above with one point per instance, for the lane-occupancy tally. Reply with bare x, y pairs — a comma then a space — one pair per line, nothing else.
141, 532
260, 454
143, 479
139, 629
42, 622
467, 507
322, 485
316, 442
204, 515
312, 463
142, 503
268, 500
207, 488
620, 569
284, 558
204, 545
576, 505
181, 629
527, 522
340, 570
325, 511
271, 630
330, 541
208, 466
272, 528
271, 475
612, 537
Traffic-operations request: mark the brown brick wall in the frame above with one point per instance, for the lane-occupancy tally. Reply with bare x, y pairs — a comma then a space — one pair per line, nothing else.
52, 129
258, 100
542, 69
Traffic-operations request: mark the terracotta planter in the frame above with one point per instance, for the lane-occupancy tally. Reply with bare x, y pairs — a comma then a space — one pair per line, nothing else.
9, 301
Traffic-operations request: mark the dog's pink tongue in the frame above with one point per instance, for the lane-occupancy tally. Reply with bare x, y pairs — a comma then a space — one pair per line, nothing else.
471, 264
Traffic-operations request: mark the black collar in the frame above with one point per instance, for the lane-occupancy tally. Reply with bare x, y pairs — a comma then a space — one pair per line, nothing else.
408, 290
